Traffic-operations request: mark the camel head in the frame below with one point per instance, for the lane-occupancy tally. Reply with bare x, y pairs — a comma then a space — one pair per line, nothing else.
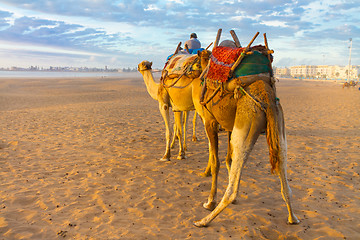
204, 58
144, 66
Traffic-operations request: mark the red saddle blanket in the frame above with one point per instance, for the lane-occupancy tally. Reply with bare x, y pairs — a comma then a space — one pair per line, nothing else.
222, 59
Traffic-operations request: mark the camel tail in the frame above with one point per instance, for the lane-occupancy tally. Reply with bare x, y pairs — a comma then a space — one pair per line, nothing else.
275, 126
274, 129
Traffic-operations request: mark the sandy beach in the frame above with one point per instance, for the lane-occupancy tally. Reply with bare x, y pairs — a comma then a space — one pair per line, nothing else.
79, 159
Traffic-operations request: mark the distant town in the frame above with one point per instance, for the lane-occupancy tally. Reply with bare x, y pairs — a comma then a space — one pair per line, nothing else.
70, 69
326, 72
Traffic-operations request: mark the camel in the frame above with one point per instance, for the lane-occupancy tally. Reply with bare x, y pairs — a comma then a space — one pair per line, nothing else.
245, 107
245, 110
350, 84
179, 98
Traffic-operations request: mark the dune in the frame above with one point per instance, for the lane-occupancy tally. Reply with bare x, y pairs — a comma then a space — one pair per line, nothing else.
79, 160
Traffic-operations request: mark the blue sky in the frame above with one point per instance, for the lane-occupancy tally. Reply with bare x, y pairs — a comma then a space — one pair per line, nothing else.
122, 33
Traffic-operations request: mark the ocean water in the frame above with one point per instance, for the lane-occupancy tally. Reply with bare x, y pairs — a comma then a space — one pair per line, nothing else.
43, 74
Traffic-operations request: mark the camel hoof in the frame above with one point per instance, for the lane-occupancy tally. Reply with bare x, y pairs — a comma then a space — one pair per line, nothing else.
205, 174
199, 224
164, 159
293, 221
210, 206
181, 157
194, 139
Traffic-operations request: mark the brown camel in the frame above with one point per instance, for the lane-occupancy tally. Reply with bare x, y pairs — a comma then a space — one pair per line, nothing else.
245, 106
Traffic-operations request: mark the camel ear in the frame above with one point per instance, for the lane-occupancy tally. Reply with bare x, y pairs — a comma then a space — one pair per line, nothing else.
199, 53
150, 64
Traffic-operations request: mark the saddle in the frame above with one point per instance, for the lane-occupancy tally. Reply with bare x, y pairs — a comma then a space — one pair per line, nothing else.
223, 58
255, 65
183, 64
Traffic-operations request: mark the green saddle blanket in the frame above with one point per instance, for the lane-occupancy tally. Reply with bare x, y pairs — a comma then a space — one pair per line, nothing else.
223, 58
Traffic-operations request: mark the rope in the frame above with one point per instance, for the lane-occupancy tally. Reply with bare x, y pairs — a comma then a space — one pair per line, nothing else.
252, 98
181, 87
211, 97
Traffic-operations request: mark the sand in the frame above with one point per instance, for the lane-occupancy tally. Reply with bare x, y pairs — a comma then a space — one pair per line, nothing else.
79, 160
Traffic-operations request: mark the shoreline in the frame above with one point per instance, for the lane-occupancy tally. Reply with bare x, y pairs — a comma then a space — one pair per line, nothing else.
45, 74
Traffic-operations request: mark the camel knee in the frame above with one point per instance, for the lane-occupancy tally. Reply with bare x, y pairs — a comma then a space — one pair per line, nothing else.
214, 125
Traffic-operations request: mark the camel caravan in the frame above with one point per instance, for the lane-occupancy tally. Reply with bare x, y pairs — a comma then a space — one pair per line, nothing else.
349, 84
232, 87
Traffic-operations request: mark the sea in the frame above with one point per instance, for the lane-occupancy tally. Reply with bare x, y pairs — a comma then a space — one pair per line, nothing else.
45, 74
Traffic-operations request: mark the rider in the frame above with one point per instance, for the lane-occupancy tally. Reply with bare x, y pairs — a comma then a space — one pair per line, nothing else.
193, 44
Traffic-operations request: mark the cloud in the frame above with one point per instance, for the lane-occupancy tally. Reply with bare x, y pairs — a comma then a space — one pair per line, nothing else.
3, 19
5, 14
153, 28
284, 17
341, 32
59, 34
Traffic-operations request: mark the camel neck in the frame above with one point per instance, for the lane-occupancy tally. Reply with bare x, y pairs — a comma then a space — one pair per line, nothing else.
151, 85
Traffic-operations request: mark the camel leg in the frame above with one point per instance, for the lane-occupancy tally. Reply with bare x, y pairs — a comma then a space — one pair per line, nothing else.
242, 142
178, 122
281, 169
286, 193
211, 128
194, 138
185, 115
285, 188
185, 120
164, 110
228, 154
172, 145
207, 172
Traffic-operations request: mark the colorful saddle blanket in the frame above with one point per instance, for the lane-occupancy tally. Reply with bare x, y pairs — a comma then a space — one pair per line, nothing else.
223, 58
177, 64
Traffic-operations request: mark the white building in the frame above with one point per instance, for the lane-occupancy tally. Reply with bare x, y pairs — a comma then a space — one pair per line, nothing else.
320, 72
303, 71
282, 71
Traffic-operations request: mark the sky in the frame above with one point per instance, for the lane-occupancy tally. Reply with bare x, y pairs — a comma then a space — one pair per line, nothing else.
122, 33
